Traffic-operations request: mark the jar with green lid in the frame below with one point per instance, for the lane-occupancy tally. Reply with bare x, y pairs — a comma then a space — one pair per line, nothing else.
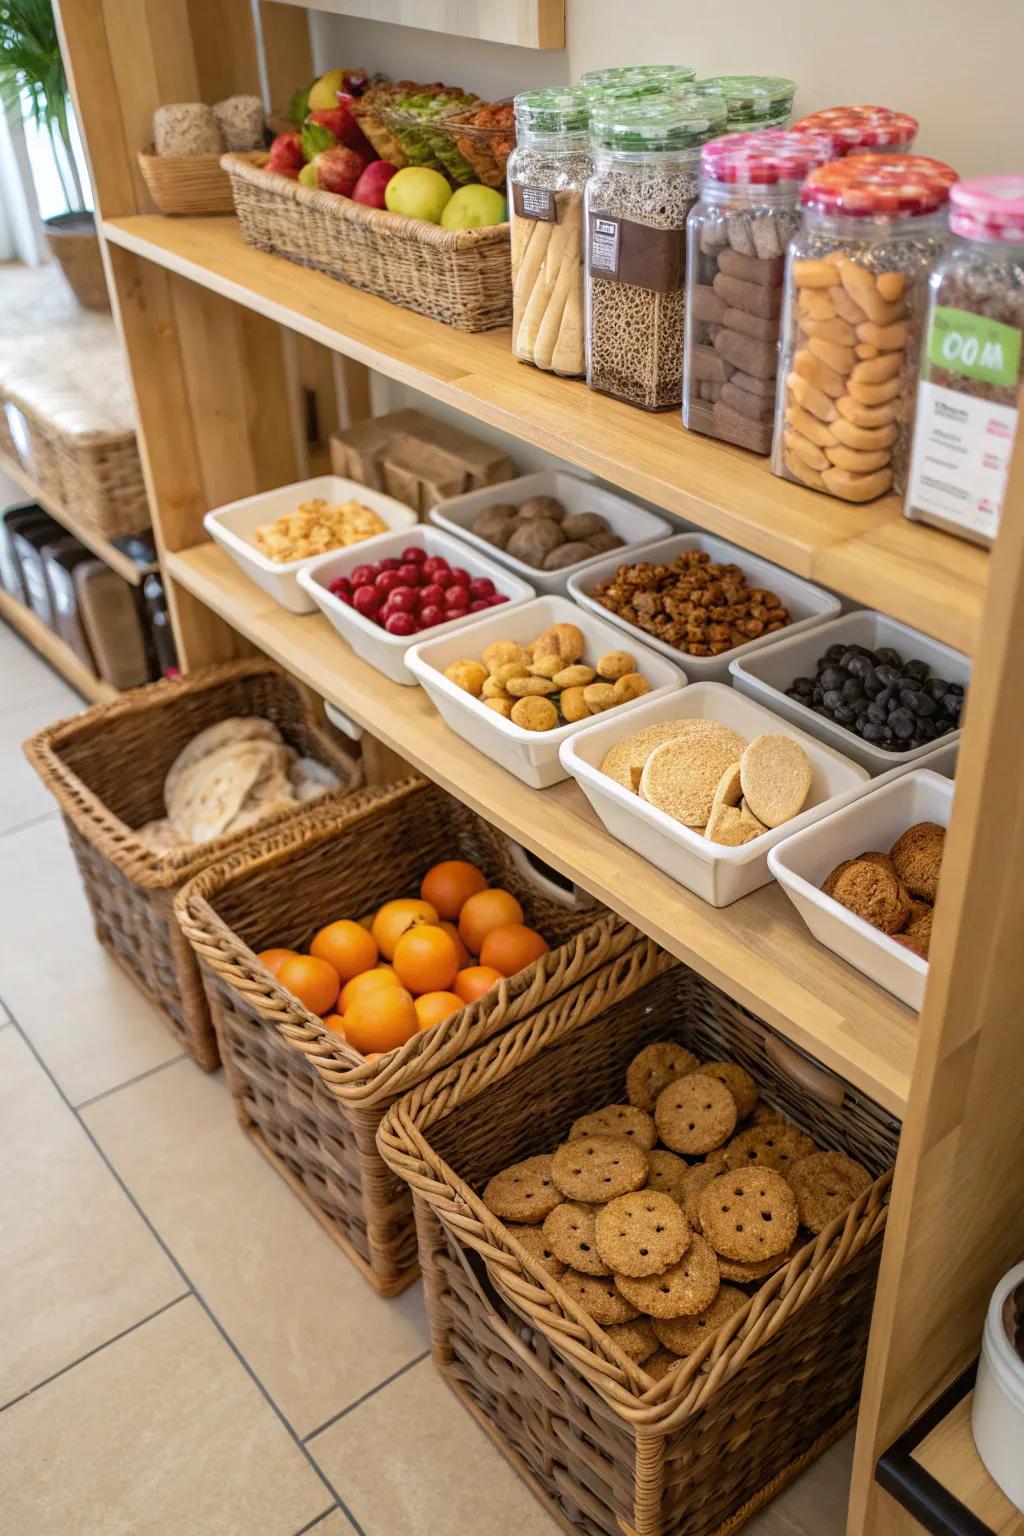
645, 180
547, 172
752, 101
655, 76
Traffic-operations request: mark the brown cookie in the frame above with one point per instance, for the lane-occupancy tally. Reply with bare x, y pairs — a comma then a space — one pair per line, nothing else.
680, 777
828, 885
536, 1245
739, 1083
617, 1120
872, 892
916, 910
764, 1114
775, 773
756, 1271
660, 1363
699, 1176
749, 1214
684, 1290
525, 1192
668, 1174
911, 941
636, 1339
775, 1145
653, 1068
921, 927
682, 1335
597, 1168
873, 857
695, 1114
641, 1234
917, 858
569, 1233
598, 1296
825, 1185
625, 761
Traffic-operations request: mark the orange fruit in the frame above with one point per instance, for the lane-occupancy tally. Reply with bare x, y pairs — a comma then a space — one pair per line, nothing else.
273, 959
432, 1007
484, 911
347, 946
394, 917
365, 983
313, 982
450, 884
335, 1023
381, 1020
512, 947
475, 980
426, 958
465, 958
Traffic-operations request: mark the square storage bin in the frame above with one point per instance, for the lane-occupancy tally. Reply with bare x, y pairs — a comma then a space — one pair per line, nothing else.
802, 862
106, 769
635, 525
384, 651
604, 1446
232, 527
719, 875
809, 606
767, 674
309, 1101
531, 755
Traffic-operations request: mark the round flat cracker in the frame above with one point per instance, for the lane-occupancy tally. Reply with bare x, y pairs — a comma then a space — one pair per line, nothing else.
680, 777
775, 773
569, 1233
637, 1339
653, 1068
617, 1120
682, 1335
739, 1083
625, 761
661, 1362
749, 1214
684, 1290
597, 1168
668, 1174
526, 1192
641, 1234
825, 1185
536, 1245
598, 1296
774, 1145
695, 1114
753, 1273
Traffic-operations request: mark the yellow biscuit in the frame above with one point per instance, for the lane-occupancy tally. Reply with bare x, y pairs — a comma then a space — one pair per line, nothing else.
534, 714
599, 696
470, 675
615, 664
576, 676
630, 686
574, 705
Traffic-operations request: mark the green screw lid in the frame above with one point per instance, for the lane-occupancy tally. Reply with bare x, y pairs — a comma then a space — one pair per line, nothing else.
751, 100
670, 120
561, 110
637, 75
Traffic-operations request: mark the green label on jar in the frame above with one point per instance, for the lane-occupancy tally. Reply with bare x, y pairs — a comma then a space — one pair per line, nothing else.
974, 346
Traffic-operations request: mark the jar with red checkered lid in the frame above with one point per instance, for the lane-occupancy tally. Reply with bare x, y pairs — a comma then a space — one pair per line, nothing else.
863, 130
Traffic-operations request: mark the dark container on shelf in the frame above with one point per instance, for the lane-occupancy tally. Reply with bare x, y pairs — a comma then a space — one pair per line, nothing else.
60, 559
29, 540
113, 628
14, 519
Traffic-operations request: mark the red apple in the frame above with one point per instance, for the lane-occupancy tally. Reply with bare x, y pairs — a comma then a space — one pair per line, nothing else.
338, 169
341, 121
369, 189
286, 155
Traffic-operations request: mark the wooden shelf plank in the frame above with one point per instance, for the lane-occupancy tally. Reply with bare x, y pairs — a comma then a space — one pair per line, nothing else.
950, 1455
527, 24
103, 548
54, 650
871, 554
757, 950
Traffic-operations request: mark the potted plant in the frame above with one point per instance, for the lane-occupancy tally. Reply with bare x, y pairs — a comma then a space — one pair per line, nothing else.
34, 87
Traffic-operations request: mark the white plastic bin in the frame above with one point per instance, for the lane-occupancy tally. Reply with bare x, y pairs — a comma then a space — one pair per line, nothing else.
718, 875
531, 755
232, 527
766, 676
997, 1413
809, 606
801, 862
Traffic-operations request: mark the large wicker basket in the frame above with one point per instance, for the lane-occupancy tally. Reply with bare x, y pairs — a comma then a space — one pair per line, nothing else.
462, 277
307, 1098
106, 769
606, 1447
190, 184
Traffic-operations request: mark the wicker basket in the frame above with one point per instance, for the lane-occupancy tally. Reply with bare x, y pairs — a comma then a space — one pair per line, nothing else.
310, 1102
186, 183
462, 277
106, 769
606, 1448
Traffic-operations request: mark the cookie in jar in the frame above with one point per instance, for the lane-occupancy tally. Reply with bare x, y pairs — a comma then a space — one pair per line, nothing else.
873, 228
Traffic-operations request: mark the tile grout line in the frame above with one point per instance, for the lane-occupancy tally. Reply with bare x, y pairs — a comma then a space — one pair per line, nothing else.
138, 1078
33, 821
316, 1521
358, 1402
286, 1424
39, 1385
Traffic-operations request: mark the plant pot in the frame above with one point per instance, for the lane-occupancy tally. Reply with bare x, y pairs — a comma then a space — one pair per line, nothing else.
74, 243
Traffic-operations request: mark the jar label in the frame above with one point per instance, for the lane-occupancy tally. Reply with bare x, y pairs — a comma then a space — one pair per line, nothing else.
627, 252
534, 203
961, 459
974, 346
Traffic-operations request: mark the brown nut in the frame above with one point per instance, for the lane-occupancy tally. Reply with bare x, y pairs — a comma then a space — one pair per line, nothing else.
470, 675
495, 524
583, 525
533, 540
568, 554
499, 652
577, 676
632, 686
598, 696
534, 714
541, 506
500, 707
574, 705
529, 687
562, 640
615, 664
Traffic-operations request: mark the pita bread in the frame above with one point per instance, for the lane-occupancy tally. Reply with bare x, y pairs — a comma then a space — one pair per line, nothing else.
211, 792
226, 733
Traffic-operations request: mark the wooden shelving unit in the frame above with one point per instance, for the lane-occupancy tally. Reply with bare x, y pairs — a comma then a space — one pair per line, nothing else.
108, 552
53, 649
527, 24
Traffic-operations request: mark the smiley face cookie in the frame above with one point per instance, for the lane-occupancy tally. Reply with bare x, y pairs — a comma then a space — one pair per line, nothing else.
749, 1215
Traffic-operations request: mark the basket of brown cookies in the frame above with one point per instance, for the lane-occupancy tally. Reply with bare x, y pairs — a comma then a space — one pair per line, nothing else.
636, 1212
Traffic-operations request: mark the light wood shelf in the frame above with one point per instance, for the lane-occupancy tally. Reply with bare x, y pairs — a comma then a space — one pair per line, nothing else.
54, 650
871, 555
100, 546
757, 950
950, 1456
526, 24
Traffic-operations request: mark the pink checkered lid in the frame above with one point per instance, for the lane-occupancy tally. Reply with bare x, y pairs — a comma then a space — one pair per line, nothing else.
988, 208
765, 157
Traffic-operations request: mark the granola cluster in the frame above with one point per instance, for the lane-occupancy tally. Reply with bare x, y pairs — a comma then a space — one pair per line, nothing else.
693, 604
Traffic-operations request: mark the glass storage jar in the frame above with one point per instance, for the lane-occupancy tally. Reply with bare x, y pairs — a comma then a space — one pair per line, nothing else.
547, 172
972, 364
645, 180
736, 238
856, 286
595, 81
753, 101
863, 130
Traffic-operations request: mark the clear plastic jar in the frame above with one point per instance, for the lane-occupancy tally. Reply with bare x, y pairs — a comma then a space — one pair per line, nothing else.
547, 172
736, 239
645, 180
972, 364
863, 130
856, 291
753, 101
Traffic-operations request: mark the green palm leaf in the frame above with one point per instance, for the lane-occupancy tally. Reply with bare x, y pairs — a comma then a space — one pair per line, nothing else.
31, 69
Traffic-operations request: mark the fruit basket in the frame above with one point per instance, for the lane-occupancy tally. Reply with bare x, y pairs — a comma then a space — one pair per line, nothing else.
462, 277
308, 1099
606, 1446
189, 184
485, 136
106, 768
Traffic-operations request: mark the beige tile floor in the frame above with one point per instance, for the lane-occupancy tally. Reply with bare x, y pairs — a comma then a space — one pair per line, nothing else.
183, 1351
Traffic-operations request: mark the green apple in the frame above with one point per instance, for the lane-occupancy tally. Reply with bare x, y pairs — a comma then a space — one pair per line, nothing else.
307, 176
323, 92
473, 207
419, 193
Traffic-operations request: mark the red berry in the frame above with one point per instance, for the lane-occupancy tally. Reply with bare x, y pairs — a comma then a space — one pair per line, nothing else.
413, 555
460, 576
404, 600
432, 595
456, 613
482, 586
435, 563
400, 624
431, 614
497, 600
390, 564
410, 574
362, 576
346, 597
478, 605
387, 581
441, 579
455, 597
366, 600
341, 584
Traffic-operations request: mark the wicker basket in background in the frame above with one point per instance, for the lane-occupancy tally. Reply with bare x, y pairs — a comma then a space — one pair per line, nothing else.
186, 183
605, 1447
306, 1097
462, 277
106, 769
